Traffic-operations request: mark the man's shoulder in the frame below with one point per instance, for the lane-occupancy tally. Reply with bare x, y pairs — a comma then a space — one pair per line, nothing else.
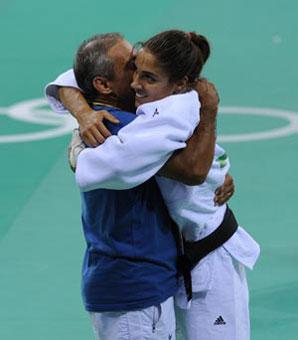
125, 117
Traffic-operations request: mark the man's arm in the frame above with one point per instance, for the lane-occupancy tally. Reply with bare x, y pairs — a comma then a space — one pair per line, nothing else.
92, 128
191, 164
51, 90
64, 95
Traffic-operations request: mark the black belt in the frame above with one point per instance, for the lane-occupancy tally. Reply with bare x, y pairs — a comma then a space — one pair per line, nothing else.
193, 252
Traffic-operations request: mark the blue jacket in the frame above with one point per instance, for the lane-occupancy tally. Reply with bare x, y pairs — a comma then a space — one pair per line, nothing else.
131, 257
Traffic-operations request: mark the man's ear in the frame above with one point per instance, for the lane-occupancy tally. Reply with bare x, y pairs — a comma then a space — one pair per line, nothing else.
101, 84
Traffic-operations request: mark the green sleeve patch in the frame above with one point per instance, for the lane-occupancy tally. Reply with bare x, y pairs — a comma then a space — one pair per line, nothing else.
222, 160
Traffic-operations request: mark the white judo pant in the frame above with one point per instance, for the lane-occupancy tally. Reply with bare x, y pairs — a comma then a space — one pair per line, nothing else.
153, 323
219, 310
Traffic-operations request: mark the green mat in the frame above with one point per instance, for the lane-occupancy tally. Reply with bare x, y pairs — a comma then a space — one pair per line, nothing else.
253, 63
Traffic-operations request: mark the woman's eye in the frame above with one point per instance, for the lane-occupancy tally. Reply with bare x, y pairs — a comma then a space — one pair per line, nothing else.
150, 78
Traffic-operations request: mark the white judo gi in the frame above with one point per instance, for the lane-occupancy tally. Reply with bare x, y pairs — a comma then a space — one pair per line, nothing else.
219, 309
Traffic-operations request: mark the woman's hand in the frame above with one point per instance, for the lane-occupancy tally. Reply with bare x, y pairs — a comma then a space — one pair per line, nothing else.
224, 192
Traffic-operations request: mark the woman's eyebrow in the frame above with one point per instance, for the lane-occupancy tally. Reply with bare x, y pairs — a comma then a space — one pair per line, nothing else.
147, 73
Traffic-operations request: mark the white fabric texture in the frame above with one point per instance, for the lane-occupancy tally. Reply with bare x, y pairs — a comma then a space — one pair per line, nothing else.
193, 209
153, 323
241, 248
75, 148
142, 147
51, 90
221, 311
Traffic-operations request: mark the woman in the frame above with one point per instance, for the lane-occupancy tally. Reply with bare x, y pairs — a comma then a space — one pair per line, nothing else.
169, 64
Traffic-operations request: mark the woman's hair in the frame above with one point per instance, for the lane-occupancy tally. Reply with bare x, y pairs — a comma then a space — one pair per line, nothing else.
179, 53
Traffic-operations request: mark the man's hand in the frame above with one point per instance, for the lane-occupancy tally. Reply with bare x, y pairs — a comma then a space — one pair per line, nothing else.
75, 146
92, 128
224, 192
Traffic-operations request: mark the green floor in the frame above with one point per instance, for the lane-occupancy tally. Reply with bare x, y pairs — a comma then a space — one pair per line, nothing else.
254, 58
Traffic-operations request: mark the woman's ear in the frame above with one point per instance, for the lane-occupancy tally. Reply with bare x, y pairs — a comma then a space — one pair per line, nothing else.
181, 85
101, 85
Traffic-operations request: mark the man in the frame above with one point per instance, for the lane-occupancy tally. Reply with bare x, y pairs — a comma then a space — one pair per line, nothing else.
129, 272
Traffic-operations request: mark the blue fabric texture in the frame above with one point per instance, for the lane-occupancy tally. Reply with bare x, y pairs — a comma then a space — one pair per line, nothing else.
131, 257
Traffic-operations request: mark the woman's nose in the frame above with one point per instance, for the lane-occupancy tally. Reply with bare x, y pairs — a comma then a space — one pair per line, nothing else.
135, 82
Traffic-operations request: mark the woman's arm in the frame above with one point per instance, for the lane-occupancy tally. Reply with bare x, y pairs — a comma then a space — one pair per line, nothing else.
191, 164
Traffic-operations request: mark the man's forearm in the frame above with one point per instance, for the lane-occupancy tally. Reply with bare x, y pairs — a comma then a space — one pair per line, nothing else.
92, 128
74, 102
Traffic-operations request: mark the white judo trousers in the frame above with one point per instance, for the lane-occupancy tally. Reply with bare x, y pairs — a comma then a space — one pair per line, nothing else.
220, 311
152, 323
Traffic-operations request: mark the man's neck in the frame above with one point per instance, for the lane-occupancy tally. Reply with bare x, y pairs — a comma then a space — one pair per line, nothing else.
111, 102
105, 102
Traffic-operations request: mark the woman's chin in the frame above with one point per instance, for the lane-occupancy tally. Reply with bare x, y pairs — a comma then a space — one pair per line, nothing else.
139, 101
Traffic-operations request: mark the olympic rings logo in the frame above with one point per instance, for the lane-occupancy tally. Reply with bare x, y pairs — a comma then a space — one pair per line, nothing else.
36, 111
289, 129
